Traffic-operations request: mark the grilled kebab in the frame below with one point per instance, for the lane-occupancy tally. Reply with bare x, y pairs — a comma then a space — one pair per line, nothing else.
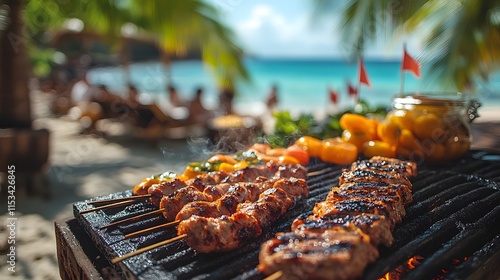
227, 232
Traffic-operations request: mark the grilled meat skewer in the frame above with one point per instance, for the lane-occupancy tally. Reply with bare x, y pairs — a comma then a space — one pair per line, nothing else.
208, 234
248, 174
198, 190
239, 195
210, 178
225, 203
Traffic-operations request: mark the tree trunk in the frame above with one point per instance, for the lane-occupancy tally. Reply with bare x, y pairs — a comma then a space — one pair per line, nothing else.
15, 109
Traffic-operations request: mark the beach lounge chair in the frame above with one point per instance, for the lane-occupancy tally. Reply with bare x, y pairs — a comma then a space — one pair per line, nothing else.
151, 123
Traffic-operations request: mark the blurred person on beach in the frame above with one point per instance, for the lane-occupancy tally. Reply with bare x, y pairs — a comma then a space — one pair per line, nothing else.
197, 111
82, 90
132, 99
61, 91
144, 115
86, 110
173, 97
113, 106
226, 97
272, 99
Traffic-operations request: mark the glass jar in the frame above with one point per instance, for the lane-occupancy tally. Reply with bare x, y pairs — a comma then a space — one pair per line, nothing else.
432, 127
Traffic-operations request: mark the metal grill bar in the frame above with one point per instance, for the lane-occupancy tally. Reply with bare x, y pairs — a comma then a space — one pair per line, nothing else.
463, 244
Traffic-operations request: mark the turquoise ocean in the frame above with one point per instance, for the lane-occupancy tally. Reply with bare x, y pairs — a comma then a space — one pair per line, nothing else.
302, 84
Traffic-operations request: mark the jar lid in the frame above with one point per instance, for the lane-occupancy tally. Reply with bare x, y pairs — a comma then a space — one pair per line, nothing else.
433, 99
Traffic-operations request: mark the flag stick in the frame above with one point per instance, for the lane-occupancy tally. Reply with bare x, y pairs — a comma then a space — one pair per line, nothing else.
402, 86
357, 94
402, 83
359, 81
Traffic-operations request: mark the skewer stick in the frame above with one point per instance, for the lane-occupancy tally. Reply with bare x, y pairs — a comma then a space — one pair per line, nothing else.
275, 275
107, 206
319, 172
147, 230
133, 218
148, 248
113, 200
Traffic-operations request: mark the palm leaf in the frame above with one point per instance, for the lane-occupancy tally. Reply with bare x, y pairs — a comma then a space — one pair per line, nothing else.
461, 38
194, 24
179, 26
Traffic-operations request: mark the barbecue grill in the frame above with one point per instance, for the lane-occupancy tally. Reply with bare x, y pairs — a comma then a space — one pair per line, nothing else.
451, 230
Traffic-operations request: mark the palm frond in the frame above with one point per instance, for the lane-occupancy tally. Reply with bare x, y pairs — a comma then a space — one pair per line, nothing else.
461, 39
188, 24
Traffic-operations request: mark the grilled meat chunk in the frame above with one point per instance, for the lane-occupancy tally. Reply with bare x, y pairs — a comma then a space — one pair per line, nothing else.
371, 175
392, 200
219, 234
376, 226
402, 190
354, 206
296, 187
157, 191
272, 204
331, 254
173, 203
226, 204
406, 168
292, 170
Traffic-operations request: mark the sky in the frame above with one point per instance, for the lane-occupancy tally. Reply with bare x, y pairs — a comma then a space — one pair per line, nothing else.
285, 28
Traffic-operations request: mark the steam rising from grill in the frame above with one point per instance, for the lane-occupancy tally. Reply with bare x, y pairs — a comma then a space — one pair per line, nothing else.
452, 225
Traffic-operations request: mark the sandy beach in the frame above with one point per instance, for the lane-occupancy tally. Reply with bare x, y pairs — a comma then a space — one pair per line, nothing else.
86, 166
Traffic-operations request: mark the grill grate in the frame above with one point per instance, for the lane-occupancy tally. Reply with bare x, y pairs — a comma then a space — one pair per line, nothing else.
455, 215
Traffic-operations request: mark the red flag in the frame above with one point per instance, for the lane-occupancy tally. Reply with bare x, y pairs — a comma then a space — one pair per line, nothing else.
410, 64
362, 75
333, 96
351, 90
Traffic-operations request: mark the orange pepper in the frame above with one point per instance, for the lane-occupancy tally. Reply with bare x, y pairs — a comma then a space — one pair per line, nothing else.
388, 132
378, 148
403, 119
425, 126
240, 165
226, 167
260, 147
339, 152
143, 186
223, 158
356, 138
310, 144
189, 173
359, 123
299, 153
288, 160
408, 141
276, 152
